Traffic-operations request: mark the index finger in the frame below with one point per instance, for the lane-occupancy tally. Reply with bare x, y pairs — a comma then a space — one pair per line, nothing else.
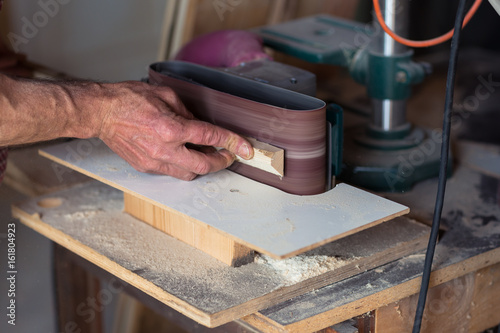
203, 133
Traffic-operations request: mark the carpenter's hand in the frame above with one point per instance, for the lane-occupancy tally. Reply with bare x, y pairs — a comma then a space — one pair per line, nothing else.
149, 127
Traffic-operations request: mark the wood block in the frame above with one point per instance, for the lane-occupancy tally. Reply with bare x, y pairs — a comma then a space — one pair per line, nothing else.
266, 157
200, 236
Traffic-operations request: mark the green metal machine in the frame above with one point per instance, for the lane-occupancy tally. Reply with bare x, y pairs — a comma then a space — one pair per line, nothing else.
388, 154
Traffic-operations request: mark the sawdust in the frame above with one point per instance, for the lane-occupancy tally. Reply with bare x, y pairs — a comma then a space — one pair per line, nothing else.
82, 214
177, 268
302, 267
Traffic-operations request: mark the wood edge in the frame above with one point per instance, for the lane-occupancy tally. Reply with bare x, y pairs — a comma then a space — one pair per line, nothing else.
393, 294
337, 237
256, 144
278, 162
34, 222
261, 322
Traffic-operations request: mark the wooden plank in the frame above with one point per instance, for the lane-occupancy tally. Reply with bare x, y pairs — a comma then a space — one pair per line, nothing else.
447, 309
200, 236
258, 216
79, 295
485, 308
90, 223
183, 24
167, 30
465, 304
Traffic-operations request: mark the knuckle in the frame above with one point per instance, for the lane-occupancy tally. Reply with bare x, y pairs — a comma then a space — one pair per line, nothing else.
190, 176
150, 165
209, 134
202, 168
156, 153
169, 131
165, 89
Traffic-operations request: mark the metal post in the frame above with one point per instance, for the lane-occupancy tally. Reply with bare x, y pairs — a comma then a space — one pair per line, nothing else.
390, 114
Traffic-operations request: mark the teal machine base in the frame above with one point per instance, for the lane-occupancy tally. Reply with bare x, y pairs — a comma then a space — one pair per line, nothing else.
391, 165
382, 160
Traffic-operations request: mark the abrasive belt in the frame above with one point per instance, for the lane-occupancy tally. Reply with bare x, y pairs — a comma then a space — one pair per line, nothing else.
280, 117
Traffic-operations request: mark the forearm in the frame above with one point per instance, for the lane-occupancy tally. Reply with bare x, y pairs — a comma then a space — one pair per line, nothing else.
33, 110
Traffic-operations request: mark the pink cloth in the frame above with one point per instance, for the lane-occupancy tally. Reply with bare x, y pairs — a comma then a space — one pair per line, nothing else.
225, 48
3, 162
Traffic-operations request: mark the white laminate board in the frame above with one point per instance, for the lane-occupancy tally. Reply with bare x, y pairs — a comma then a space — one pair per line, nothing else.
259, 216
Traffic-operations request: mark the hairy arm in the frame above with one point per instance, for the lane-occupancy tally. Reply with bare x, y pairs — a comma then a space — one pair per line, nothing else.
146, 125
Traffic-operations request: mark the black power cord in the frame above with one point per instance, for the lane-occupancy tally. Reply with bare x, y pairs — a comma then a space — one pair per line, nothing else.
443, 167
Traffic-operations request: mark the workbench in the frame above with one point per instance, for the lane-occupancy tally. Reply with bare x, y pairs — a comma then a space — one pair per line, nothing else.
382, 298
465, 271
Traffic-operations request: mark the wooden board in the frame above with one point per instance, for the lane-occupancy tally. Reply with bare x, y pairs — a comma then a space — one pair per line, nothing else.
258, 216
465, 304
89, 221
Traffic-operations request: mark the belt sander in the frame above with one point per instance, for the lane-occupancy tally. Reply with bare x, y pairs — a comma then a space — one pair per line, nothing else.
260, 99
224, 214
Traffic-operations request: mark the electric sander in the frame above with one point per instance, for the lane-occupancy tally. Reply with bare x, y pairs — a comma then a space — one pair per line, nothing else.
244, 93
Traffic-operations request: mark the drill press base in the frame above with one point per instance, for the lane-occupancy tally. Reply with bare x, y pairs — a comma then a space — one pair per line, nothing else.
381, 165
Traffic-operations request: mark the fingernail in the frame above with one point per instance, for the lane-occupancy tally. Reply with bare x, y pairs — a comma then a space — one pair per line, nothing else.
246, 151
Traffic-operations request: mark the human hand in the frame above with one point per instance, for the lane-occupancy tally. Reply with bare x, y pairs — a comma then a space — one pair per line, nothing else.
149, 127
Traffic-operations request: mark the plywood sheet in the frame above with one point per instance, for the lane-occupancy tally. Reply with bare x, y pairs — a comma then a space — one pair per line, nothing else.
258, 216
88, 220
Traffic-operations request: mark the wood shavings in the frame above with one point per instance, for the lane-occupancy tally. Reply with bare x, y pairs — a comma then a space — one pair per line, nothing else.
82, 214
302, 267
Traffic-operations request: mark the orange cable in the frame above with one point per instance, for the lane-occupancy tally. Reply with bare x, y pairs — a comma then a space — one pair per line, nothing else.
423, 43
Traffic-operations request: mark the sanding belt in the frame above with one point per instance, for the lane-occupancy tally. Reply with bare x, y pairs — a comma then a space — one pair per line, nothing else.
280, 117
